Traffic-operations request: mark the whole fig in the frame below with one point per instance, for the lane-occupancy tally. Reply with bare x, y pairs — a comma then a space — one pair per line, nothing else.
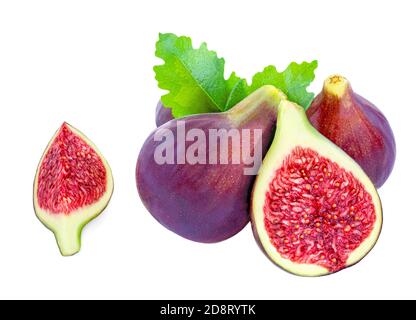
207, 199
356, 125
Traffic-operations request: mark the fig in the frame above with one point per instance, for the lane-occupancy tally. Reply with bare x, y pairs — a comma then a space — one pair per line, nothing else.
163, 114
356, 126
314, 210
208, 200
73, 185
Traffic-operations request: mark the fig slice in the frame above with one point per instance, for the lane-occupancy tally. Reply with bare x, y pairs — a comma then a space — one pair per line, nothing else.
73, 185
314, 210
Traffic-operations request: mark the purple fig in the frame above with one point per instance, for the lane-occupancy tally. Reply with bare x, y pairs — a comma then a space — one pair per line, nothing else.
356, 126
207, 200
163, 114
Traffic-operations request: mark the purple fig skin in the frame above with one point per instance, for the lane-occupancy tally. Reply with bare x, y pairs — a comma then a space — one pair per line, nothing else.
356, 126
163, 114
206, 203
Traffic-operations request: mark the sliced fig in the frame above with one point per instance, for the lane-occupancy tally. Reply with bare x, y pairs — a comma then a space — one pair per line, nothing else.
73, 185
314, 210
206, 202
163, 114
356, 126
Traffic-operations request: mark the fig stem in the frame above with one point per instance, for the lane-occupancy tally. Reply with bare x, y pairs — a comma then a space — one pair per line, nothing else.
336, 85
69, 241
291, 117
267, 96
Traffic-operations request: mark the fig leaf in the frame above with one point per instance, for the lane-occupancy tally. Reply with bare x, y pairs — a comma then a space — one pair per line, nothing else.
293, 81
193, 77
237, 90
195, 81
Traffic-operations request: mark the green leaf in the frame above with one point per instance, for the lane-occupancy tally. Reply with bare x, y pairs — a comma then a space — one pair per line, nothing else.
194, 78
237, 90
293, 81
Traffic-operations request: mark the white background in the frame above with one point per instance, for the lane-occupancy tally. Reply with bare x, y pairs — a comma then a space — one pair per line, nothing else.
90, 63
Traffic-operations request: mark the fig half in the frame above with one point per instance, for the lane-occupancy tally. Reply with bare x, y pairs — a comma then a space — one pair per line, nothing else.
207, 201
73, 185
355, 125
314, 210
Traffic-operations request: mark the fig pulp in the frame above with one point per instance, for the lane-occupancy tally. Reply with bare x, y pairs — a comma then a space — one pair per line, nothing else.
207, 201
356, 126
314, 210
73, 185
163, 114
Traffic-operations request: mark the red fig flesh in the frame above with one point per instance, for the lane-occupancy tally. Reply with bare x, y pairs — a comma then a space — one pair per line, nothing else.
356, 126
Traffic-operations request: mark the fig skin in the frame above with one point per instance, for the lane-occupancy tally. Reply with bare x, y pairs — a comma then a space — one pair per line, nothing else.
205, 202
163, 114
357, 126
